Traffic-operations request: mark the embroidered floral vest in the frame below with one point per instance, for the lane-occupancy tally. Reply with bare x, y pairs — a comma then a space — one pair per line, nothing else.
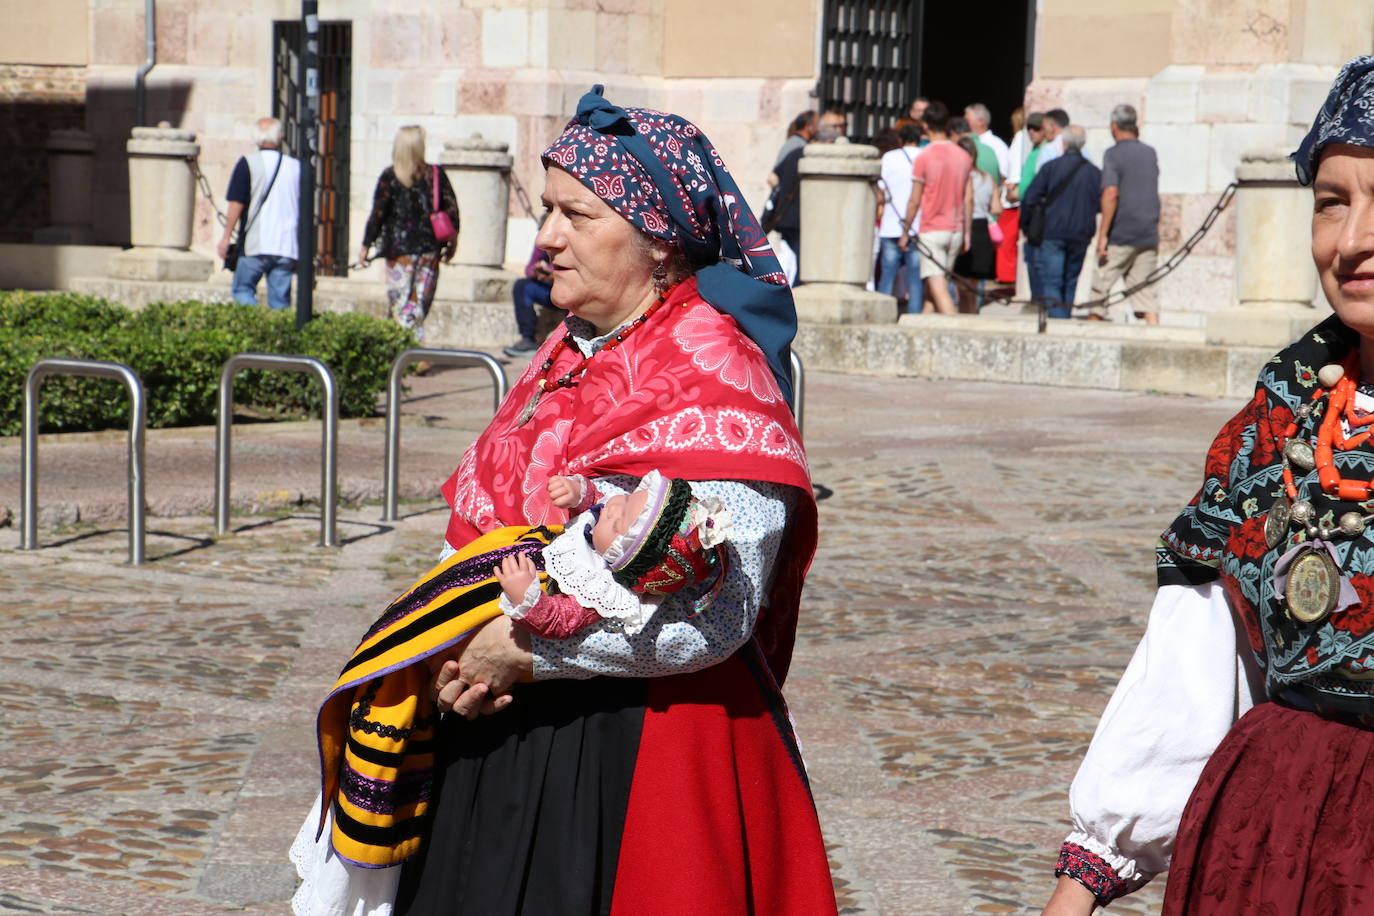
1328, 665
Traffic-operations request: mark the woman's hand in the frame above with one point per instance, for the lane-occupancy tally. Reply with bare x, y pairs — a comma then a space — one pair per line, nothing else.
363, 259
450, 250
1070, 899
488, 662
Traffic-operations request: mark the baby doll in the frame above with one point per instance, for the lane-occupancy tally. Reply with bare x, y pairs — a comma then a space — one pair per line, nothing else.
617, 558
614, 561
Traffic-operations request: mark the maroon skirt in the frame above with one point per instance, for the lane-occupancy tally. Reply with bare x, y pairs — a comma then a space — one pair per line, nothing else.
1281, 822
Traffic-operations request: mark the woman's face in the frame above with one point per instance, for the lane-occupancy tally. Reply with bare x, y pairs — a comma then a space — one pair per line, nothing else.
1343, 232
601, 272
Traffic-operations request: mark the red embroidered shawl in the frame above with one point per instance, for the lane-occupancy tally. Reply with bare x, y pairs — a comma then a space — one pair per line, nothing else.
686, 393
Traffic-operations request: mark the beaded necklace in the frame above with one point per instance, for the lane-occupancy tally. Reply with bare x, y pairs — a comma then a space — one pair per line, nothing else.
570, 379
1308, 576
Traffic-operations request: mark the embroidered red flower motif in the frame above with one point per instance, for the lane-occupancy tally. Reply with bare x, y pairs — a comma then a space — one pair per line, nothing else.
1358, 620
564, 156
1223, 450
1267, 440
1243, 609
732, 358
1247, 539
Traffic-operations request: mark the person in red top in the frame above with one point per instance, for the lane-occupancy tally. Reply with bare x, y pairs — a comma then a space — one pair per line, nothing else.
942, 198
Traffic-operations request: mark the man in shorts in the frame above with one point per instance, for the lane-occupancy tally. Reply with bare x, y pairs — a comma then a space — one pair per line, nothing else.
942, 196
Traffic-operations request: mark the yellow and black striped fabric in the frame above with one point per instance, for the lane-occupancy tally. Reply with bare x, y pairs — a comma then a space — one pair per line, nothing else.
376, 727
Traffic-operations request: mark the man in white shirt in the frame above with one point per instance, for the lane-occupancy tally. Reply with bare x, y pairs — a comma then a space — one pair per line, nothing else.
892, 204
980, 124
266, 185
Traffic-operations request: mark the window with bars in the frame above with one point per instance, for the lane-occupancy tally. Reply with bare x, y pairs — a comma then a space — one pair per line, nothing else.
870, 61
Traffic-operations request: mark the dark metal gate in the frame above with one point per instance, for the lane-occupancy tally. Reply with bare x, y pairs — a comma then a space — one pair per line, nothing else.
331, 165
870, 61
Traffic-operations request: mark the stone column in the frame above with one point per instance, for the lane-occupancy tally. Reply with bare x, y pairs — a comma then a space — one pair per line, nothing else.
839, 198
1275, 278
71, 163
479, 170
162, 201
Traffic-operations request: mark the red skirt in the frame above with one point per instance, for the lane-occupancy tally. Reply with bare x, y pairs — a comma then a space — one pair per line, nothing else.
1281, 822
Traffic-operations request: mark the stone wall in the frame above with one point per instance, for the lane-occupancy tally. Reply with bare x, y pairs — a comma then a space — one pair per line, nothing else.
1238, 77
511, 70
35, 100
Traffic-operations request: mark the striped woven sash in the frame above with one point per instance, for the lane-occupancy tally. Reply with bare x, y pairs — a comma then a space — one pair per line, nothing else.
376, 727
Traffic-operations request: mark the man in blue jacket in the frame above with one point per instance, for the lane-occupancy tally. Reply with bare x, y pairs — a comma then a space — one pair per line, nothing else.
1069, 186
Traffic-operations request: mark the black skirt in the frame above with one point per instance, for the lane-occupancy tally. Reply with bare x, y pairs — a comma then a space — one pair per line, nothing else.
530, 803
980, 261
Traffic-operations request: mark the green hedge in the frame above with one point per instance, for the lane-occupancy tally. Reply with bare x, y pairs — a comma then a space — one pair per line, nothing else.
178, 349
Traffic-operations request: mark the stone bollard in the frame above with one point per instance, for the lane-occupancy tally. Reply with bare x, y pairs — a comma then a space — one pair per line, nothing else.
162, 201
838, 200
71, 165
479, 170
1275, 278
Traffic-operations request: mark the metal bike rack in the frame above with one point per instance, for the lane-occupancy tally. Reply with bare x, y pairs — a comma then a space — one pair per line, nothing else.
798, 388
138, 420
329, 459
393, 403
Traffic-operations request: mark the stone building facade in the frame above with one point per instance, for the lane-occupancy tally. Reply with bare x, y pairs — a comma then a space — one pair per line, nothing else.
1211, 78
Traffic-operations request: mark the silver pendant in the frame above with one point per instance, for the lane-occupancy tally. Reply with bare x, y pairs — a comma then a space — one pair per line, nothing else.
1276, 525
1300, 454
1314, 583
528, 411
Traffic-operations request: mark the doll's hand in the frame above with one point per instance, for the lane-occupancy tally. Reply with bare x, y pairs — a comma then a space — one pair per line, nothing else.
564, 492
515, 575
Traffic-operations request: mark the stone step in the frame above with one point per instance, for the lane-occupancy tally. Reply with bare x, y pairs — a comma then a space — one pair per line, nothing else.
1005, 348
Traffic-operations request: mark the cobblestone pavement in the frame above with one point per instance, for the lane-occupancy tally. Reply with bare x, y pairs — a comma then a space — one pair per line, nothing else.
984, 572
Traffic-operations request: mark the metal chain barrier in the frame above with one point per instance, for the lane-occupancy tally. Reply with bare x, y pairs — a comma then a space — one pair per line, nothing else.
1043, 306
522, 196
204, 184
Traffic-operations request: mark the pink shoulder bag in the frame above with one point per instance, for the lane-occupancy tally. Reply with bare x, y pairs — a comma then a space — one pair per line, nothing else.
444, 230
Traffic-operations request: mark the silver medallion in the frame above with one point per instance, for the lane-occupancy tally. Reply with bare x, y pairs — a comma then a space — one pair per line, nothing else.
528, 411
1276, 524
1300, 454
1314, 584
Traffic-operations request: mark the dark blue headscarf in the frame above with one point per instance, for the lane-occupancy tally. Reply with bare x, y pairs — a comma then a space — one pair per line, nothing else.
1346, 117
661, 173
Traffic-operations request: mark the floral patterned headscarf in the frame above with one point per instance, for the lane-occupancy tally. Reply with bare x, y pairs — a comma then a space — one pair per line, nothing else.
1347, 116
663, 175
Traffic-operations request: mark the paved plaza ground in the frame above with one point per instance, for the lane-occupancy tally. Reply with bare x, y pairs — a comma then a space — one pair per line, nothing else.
984, 571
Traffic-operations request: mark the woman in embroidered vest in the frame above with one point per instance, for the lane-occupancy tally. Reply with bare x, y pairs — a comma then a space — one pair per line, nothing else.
653, 773
1234, 751
400, 225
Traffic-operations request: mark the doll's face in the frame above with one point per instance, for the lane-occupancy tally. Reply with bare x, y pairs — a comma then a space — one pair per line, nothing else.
617, 515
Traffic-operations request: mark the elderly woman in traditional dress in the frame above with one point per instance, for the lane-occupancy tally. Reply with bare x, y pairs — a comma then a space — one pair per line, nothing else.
1234, 751
655, 773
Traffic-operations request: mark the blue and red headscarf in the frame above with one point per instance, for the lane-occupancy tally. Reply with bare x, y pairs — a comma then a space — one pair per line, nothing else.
661, 173
1347, 116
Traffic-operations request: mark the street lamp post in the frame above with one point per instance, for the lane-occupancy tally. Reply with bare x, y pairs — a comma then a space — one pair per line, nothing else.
307, 115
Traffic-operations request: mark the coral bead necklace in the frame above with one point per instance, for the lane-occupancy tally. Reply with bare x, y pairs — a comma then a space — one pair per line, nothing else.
1308, 577
570, 378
